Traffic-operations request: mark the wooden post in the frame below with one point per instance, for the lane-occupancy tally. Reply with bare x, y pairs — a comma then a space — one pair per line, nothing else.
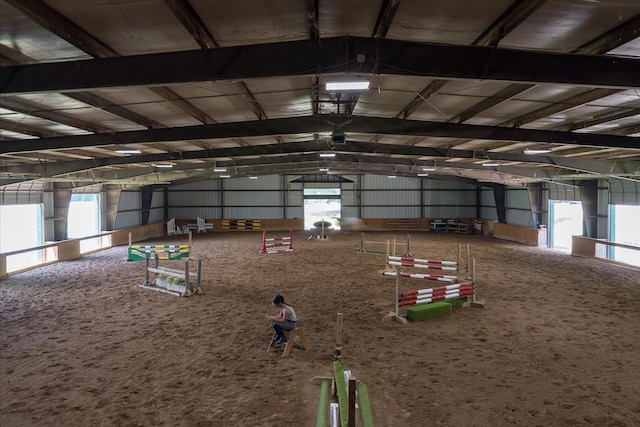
337, 352
352, 403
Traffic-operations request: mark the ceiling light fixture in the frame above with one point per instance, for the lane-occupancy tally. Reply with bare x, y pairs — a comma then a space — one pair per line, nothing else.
253, 177
347, 85
125, 150
537, 150
324, 169
423, 174
429, 168
162, 165
219, 169
327, 154
491, 163
391, 176
225, 176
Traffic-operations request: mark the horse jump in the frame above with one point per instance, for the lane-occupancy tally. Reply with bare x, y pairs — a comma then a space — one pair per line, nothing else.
276, 244
165, 252
455, 289
390, 250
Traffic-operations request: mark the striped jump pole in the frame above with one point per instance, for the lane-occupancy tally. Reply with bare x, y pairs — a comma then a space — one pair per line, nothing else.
276, 244
428, 295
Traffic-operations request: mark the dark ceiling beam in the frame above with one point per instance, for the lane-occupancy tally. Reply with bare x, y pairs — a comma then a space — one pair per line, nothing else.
313, 19
26, 130
36, 110
598, 46
510, 19
503, 95
293, 58
424, 94
190, 19
385, 18
359, 151
311, 124
559, 106
181, 103
624, 33
609, 117
60, 25
101, 103
52, 20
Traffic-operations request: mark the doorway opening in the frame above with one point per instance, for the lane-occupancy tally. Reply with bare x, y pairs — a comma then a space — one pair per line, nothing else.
625, 228
84, 220
566, 221
322, 204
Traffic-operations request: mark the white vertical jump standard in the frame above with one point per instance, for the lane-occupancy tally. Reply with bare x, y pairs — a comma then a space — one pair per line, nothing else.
424, 296
276, 244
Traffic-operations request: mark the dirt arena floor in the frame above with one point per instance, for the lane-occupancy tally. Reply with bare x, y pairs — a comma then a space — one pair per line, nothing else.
557, 344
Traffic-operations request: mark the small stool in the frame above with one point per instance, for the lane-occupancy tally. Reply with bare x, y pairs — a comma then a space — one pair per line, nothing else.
291, 339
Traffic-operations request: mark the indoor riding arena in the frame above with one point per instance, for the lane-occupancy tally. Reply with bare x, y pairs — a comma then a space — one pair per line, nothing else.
329, 213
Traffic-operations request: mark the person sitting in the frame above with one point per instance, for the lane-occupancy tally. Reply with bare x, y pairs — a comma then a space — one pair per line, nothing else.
284, 321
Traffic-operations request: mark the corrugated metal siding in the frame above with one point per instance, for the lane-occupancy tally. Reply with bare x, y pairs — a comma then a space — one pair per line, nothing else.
390, 212
156, 214
563, 192
268, 182
518, 207
129, 210
212, 185
253, 213
624, 192
253, 198
191, 213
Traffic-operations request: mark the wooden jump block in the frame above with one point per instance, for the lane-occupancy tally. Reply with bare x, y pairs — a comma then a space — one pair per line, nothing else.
291, 339
434, 310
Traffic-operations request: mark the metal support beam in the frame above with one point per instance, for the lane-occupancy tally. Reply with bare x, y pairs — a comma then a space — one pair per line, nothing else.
293, 58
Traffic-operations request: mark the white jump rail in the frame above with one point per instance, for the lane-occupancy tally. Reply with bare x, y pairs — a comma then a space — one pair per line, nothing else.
185, 290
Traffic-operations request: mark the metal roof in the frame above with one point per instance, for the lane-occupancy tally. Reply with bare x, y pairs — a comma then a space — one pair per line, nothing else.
203, 83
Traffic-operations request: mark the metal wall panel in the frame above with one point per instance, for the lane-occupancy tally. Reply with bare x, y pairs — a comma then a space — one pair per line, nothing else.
624, 192
563, 192
390, 212
267, 182
253, 213
191, 213
253, 198
156, 214
211, 185
129, 211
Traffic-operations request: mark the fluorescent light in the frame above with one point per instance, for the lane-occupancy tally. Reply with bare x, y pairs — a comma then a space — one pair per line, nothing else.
391, 177
128, 151
537, 150
429, 168
491, 163
253, 177
163, 165
324, 169
219, 169
348, 85
327, 154
423, 174
225, 176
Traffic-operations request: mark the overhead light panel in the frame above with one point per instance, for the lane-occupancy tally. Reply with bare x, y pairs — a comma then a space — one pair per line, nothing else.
324, 169
163, 165
346, 85
327, 154
537, 150
423, 174
125, 150
225, 176
219, 169
391, 176
253, 177
429, 168
491, 164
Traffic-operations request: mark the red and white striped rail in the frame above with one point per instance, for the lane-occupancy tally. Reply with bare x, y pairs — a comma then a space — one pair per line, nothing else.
438, 277
276, 244
428, 295
425, 296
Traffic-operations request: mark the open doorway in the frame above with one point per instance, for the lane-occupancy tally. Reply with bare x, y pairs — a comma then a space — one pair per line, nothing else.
566, 221
84, 220
322, 204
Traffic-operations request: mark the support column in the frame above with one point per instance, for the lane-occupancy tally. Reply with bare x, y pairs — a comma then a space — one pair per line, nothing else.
111, 202
535, 201
61, 200
589, 198
146, 193
499, 195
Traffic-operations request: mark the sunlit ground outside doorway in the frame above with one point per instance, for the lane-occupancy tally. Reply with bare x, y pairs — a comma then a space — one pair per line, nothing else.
322, 210
566, 222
